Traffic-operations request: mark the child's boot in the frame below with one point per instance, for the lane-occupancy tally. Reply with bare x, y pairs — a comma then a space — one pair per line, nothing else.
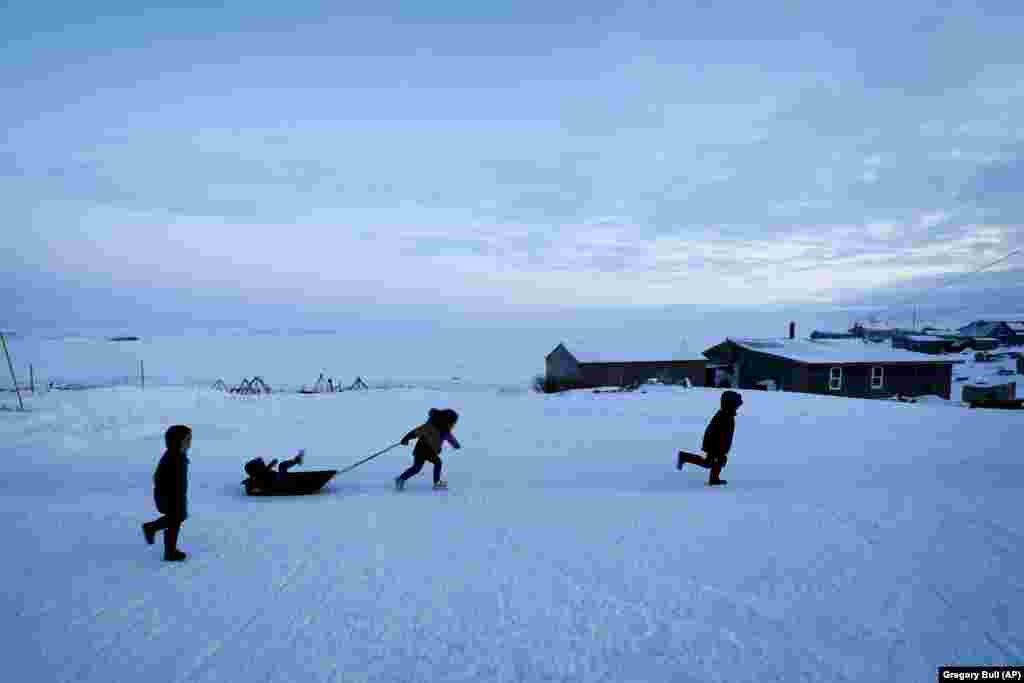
149, 533
399, 483
171, 552
440, 484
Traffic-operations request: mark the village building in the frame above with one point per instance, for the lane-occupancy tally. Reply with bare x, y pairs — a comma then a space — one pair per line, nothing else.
592, 369
876, 331
851, 368
825, 334
1006, 332
923, 343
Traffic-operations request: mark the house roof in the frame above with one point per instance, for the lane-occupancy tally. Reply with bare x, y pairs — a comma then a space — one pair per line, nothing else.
633, 354
833, 351
591, 356
987, 327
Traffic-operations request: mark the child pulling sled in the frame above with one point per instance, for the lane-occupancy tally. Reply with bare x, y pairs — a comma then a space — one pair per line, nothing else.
431, 436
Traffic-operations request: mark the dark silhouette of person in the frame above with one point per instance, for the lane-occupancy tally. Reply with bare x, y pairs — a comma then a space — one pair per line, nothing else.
170, 492
263, 473
431, 436
717, 440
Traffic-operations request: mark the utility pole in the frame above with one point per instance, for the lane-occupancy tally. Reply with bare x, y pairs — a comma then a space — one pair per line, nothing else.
10, 366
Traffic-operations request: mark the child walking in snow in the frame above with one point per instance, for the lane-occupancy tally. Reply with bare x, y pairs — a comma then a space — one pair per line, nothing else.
170, 492
431, 434
717, 440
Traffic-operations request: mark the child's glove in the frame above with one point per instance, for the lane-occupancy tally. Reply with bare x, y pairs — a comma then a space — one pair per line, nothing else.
404, 442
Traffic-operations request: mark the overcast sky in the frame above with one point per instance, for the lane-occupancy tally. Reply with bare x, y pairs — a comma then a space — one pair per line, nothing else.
506, 154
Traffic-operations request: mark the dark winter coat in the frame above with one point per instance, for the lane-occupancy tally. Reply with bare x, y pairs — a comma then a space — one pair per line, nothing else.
170, 485
718, 435
434, 432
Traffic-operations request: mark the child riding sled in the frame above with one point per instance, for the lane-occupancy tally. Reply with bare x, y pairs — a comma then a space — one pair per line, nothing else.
717, 440
263, 473
431, 436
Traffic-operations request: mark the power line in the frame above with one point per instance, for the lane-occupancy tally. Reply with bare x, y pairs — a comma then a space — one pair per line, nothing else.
962, 276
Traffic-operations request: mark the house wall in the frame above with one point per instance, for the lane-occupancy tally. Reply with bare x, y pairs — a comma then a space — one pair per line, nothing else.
560, 364
909, 379
755, 367
618, 374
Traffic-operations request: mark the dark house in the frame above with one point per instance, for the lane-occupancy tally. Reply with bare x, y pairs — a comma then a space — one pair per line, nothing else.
1007, 332
836, 367
596, 370
876, 331
922, 343
820, 334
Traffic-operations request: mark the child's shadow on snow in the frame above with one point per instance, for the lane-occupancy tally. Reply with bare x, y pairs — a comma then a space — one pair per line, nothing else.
658, 479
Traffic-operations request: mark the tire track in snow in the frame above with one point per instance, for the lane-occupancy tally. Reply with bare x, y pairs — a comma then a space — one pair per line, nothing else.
211, 653
1011, 653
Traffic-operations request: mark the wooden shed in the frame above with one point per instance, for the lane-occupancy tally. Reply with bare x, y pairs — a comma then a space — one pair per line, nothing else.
993, 392
590, 369
834, 367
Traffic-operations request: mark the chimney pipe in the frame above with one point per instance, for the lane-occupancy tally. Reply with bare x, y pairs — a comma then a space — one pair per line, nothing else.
792, 330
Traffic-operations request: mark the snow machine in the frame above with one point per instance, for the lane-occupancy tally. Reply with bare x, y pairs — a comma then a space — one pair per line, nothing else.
289, 484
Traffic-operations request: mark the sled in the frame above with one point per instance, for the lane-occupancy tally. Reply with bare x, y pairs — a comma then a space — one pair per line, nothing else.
290, 483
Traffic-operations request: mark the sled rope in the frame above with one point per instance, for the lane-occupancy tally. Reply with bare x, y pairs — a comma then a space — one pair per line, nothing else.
352, 467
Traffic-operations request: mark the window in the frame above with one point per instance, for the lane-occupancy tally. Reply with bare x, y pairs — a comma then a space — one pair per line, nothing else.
876, 377
835, 379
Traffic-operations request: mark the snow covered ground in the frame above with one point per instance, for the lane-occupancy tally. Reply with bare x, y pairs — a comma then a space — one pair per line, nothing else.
855, 539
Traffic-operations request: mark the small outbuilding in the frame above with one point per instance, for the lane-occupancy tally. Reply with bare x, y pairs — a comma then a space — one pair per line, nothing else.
836, 367
591, 369
994, 392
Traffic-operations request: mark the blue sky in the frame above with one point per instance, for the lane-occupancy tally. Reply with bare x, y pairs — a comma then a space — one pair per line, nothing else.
506, 155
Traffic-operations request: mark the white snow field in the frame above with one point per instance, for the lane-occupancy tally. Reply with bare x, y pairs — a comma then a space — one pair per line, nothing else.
856, 540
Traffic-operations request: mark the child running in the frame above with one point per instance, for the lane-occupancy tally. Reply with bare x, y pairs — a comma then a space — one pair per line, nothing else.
431, 434
717, 440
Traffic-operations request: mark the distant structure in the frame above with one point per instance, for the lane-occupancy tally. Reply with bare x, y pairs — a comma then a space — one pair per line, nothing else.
993, 392
924, 343
588, 369
823, 334
834, 367
1005, 332
876, 331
